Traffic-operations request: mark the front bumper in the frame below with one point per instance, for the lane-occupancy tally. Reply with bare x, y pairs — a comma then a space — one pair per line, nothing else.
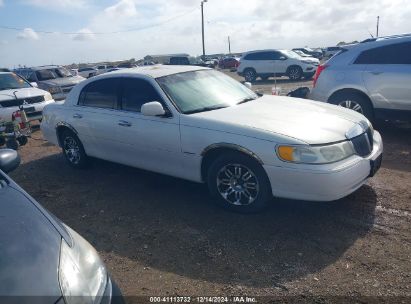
112, 294
37, 113
327, 182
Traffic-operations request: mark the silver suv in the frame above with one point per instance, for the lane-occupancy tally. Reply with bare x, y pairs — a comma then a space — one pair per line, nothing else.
372, 77
55, 79
271, 63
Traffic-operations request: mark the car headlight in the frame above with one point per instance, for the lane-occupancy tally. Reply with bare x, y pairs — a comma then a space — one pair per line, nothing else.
48, 97
316, 154
82, 275
54, 90
307, 62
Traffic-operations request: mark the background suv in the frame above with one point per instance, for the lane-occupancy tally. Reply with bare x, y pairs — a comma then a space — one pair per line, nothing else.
56, 79
270, 63
373, 78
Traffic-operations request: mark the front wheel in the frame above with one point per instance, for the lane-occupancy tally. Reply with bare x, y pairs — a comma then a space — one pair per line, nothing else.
295, 72
239, 183
73, 150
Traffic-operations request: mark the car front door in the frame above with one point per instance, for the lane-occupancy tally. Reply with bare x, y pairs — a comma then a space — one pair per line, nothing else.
148, 142
387, 75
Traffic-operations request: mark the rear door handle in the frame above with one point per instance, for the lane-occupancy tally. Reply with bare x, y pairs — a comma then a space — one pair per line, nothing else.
77, 116
124, 123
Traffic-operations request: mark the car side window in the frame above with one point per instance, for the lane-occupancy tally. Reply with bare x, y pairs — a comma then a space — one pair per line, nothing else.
101, 94
32, 77
399, 53
135, 93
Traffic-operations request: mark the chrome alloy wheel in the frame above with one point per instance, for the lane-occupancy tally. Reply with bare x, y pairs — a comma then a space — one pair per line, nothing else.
294, 73
237, 184
72, 150
349, 104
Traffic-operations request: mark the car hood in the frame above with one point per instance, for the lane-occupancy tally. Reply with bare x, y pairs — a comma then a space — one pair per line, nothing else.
67, 81
305, 120
21, 93
30, 248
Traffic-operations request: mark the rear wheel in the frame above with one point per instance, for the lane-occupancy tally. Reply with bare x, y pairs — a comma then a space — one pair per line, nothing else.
355, 102
250, 75
239, 183
73, 150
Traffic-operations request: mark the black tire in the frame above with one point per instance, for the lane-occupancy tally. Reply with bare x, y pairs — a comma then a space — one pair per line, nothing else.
308, 76
351, 100
264, 78
22, 140
250, 75
2, 141
12, 143
239, 197
73, 150
295, 72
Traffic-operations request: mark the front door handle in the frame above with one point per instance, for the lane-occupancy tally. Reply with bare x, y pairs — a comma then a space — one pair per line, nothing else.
376, 72
124, 123
77, 116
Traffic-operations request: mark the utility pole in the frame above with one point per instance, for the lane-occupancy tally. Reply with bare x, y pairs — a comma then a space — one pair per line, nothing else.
202, 25
378, 25
229, 45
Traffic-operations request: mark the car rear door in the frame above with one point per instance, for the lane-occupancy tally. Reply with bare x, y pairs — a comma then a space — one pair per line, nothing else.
94, 116
387, 75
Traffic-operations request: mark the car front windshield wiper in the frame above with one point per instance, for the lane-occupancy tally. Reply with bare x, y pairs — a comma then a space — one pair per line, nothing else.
206, 109
247, 100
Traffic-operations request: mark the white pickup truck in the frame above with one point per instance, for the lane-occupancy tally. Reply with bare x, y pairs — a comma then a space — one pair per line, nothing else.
201, 125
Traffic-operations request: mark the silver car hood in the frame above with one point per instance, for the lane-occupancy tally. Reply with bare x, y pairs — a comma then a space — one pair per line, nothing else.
67, 81
308, 121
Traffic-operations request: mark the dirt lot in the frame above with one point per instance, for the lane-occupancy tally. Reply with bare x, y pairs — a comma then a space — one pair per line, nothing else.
163, 236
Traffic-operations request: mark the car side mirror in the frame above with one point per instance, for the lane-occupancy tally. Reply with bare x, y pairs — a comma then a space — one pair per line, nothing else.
248, 85
9, 160
153, 108
34, 84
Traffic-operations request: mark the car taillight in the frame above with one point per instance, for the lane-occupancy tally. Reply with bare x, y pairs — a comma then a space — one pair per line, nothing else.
320, 69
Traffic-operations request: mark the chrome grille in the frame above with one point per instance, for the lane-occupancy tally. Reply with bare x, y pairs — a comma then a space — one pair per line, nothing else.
19, 102
363, 143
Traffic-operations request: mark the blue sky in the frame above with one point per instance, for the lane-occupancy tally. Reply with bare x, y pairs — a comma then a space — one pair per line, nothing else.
252, 24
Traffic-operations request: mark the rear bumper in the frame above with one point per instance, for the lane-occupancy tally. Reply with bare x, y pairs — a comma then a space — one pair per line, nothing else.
323, 182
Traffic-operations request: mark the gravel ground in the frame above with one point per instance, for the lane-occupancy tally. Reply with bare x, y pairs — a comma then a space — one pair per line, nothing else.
161, 236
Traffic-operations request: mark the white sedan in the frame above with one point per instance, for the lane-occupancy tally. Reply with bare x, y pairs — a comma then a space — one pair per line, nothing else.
201, 125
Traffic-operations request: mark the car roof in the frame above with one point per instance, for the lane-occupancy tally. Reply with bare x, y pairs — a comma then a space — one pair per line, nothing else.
156, 71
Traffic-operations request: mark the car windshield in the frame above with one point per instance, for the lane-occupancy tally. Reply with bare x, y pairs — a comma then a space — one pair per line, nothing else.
291, 54
62, 72
11, 81
205, 90
46, 75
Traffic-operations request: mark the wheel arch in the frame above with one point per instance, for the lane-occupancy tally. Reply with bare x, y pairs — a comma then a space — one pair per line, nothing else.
61, 127
350, 91
213, 151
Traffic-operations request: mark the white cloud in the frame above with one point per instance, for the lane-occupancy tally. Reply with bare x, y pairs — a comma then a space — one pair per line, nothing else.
28, 34
84, 35
124, 8
57, 4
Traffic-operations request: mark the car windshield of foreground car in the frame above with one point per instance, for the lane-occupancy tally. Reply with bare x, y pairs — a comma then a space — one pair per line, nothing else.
12, 81
206, 90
